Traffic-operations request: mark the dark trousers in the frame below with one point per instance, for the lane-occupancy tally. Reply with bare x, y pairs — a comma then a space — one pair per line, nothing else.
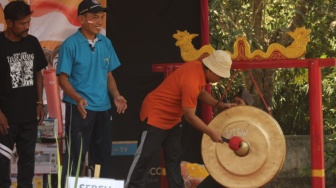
24, 136
93, 135
151, 140
209, 182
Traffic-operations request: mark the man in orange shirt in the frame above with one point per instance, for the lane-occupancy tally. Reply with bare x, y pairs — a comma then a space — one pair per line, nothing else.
163, 109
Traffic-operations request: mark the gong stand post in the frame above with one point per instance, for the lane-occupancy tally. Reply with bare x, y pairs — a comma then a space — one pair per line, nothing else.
316, 125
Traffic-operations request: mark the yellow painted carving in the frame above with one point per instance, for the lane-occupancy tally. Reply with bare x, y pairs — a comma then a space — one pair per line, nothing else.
275, 51
188, 52
242, 49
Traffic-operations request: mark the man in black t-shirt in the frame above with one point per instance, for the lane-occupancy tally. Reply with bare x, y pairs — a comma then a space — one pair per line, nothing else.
21, 85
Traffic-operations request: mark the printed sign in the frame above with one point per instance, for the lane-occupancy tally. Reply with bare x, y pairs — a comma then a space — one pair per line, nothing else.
95, 183
124, 148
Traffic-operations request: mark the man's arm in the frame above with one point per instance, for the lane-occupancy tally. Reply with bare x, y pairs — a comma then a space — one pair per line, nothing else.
195, 121
3, 124
39, 102
119, 100
63, 80
112, 86
207, 98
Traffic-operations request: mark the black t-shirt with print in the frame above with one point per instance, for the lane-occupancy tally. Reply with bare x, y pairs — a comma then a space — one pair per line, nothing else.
19, 62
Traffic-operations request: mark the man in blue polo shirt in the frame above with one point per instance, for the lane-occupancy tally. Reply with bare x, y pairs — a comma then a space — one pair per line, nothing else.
86, 60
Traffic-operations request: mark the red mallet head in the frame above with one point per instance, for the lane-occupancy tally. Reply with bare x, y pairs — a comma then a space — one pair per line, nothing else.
235, 143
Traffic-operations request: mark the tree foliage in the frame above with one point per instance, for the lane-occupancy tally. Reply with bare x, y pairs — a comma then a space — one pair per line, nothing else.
264, 22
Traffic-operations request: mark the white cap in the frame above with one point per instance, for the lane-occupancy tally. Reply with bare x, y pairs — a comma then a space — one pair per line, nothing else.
219, 62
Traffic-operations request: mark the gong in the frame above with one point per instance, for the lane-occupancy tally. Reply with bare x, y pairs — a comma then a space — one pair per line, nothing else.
261, 154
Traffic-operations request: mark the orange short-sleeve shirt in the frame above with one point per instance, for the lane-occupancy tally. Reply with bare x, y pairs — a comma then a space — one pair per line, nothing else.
163, 106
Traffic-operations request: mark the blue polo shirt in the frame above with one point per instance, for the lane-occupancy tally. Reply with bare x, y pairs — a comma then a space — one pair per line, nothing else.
87, 68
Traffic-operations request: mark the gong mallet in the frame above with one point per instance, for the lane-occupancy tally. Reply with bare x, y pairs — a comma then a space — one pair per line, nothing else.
239, 146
